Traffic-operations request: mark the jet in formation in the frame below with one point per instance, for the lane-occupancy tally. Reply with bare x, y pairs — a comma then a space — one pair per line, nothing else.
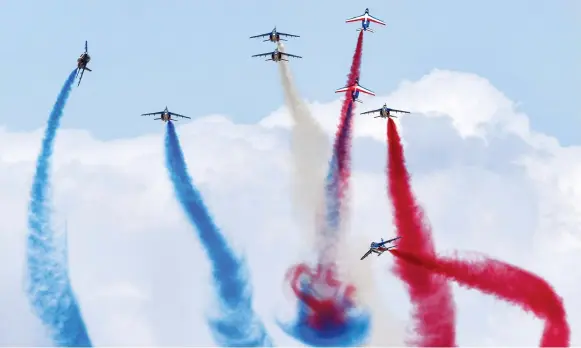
380, 248
276, 55
366, 19
82, 62
274, 36
354, 89
165, 115
385, 112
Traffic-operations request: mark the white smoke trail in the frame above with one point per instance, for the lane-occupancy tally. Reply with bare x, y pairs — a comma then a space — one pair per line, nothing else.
310, 155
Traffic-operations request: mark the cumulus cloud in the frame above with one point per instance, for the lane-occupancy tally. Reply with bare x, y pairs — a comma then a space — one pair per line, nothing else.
488, 182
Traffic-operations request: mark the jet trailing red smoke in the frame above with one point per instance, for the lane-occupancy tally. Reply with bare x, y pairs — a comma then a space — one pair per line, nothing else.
506, 282
431, 329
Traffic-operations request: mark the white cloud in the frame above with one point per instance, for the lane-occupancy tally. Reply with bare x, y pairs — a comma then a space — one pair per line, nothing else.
487, 181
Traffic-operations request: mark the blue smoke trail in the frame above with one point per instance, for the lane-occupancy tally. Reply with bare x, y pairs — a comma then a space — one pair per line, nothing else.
49, 288
334, 176
355, 329
237, 325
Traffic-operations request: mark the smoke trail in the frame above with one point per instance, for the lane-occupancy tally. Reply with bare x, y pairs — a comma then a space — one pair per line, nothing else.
237, 324
339, 173
434, 309
49, 289
309, 152
343, 136
327, 313
506, 282
337, 184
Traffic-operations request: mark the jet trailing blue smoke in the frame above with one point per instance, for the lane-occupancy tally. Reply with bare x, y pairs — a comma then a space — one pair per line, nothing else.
237, 324
49, 288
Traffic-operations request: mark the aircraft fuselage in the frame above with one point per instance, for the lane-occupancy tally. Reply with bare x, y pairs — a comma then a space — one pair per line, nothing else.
274, 37
83, 60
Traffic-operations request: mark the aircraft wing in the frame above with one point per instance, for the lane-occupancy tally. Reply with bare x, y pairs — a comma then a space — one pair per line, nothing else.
366, 254
355, 19
403, 112
178, 115
392, 240
388, 241
370, 112
80, 77
153, 113
290, 55
343, 90
288, 35
257, 36
375, 20
364, 90
262, 54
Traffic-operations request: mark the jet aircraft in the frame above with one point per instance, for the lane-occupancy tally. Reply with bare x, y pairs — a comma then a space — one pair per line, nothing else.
276, 55
354, 89
384, 112
82, 62
274, 36
380, 248
365, 20
165, 115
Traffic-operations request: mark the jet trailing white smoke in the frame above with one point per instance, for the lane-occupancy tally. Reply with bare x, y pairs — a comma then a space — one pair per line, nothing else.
310, 155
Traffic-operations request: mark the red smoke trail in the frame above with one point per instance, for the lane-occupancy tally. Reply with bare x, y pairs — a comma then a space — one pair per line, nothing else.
342, 143
506, 282
434, 313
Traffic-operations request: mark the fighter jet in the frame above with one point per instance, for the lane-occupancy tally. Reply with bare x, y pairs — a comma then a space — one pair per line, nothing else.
82, 62
365, 20
354, 89
385, 112
380, 248
276, 55
165, 115
274, 36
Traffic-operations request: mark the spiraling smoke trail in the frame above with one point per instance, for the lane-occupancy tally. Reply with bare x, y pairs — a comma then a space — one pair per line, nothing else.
506, 282
49, 288
237, 324
434, 312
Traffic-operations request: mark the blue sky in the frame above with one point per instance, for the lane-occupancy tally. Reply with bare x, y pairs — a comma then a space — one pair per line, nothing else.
194, 56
